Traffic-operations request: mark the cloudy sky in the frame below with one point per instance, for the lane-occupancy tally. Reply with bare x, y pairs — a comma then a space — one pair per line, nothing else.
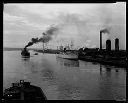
80, 23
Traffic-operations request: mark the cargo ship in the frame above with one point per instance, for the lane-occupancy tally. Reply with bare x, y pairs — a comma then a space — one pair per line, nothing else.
68, 55
23, 91
68, 52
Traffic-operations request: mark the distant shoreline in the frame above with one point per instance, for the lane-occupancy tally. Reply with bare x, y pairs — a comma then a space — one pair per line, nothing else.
15, 49
11, 49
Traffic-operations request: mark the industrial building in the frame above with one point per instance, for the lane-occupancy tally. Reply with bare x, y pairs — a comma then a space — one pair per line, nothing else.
117, 44
108, 45
108, 56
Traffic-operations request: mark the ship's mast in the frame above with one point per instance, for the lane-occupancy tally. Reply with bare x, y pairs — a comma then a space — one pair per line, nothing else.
43, 41
43, 47
71, 44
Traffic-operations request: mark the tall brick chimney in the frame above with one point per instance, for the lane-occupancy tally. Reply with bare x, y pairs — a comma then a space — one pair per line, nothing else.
116, 44
100, 40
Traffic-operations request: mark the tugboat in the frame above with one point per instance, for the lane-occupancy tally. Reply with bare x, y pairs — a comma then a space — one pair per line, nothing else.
23, 91
25, 53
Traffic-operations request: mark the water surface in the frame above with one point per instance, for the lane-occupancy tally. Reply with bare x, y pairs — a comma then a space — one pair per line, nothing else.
62, 79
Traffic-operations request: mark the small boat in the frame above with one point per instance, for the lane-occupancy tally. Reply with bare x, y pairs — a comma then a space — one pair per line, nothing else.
36, 54
23, 91
25, 53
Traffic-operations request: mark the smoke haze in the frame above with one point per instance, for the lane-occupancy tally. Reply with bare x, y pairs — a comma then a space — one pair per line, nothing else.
81, 23
109, 19
46, 37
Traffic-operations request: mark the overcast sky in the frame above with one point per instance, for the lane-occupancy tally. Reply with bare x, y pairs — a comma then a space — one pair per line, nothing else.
80, 23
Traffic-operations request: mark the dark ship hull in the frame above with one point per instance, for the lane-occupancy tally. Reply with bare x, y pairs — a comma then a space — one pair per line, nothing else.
36, 54
25, 53
23, 91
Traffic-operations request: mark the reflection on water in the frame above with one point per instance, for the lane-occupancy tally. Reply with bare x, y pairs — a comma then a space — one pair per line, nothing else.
69, 92
25, 59
48, 75
67, 63
66, 79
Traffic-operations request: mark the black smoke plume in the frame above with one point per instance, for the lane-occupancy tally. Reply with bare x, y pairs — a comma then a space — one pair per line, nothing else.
105, 31
33, 40
47, 36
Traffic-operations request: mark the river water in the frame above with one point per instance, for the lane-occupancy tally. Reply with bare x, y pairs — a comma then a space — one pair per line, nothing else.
62, 79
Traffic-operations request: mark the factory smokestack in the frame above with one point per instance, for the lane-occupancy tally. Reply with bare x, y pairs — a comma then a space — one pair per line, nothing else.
108, 45
100, 40
102, 31
117, 44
